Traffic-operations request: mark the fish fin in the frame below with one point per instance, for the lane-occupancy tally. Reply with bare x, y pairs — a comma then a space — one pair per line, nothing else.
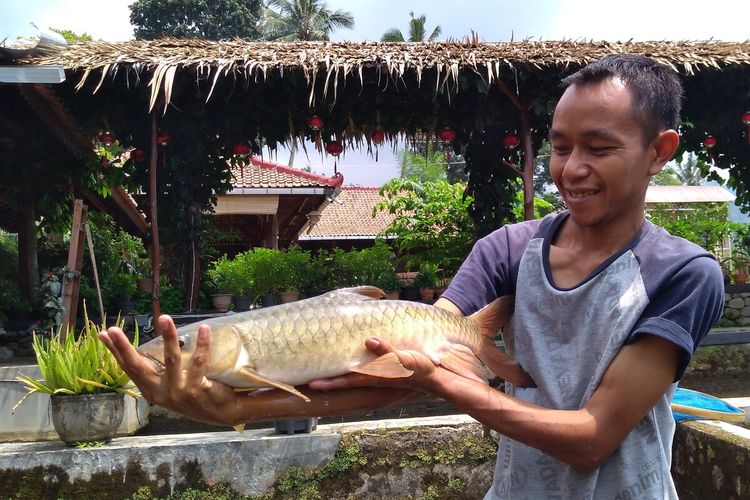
385, 366
365, 292
267, 382
489, 320
239, 428
459, 359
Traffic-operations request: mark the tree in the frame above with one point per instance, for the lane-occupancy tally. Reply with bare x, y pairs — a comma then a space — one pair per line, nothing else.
296, 20
422, 168
416, 31
72, 37
209, 19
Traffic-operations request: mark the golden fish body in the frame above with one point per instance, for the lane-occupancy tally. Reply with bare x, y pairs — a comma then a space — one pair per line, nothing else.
321, 337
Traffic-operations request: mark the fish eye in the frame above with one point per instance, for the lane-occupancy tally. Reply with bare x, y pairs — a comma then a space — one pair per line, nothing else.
181, 342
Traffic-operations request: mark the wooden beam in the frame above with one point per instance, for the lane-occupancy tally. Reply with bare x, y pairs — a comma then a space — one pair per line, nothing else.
155, 254
72, 278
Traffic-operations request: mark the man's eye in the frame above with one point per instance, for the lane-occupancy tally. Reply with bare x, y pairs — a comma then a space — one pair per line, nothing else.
600, 150
561, 150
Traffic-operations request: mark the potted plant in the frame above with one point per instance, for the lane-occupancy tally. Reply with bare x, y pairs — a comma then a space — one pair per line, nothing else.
426, 280
390, 283
265, 266
84, 381
229, 279
737, 266
294, 263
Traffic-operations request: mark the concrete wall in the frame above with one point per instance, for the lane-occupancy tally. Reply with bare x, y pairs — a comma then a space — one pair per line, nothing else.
737, 304
32, 420
434, 457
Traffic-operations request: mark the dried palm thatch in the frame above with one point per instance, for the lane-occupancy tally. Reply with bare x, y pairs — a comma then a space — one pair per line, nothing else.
164, 58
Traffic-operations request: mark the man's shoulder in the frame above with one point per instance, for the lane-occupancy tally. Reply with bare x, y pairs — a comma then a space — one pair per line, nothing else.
526, 230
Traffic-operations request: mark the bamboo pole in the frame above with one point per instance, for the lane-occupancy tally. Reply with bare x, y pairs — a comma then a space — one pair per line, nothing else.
155, 256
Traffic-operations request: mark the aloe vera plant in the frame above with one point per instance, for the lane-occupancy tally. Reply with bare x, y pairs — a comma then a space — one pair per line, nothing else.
81, 365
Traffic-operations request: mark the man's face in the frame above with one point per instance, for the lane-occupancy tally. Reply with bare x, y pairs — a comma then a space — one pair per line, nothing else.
599, 162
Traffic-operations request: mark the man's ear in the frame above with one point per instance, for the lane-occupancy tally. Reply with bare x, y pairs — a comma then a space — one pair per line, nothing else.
663, 148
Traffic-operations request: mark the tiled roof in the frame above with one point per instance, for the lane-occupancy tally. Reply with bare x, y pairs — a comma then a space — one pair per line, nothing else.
260, 173
688, 194
352, 218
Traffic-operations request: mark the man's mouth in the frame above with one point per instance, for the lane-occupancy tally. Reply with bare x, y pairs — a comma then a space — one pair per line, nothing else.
581, 194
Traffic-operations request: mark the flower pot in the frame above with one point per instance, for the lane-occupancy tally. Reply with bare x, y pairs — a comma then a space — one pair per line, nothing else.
426, 293
242, 302
268, 300
87, 417
222, 301
740, 278
392, 294
286, 297
440, 291
146, 285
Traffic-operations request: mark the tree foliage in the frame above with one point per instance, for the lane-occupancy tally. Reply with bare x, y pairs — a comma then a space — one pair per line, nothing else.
705, 224
423, 168
208, 19
293, 20
431, 224
417, 31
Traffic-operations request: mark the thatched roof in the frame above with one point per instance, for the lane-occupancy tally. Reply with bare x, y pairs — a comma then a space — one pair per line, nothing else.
211, 60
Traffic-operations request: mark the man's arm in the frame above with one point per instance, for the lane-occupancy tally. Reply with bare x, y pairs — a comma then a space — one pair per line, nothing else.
638, 376
190, 393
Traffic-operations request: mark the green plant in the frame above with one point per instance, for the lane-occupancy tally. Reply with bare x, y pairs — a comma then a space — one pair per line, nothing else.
81, 365
231, 276
266, 268
427, 277
295, 269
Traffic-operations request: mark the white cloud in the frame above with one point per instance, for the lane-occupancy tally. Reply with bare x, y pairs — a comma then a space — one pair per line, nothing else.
107, 20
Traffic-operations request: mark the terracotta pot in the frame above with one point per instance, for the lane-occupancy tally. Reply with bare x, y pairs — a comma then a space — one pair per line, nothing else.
222, 301
740, 278
392, 294
286, 297
84, 418
426, 293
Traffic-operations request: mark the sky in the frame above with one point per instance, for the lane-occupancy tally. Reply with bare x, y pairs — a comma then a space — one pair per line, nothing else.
493, 20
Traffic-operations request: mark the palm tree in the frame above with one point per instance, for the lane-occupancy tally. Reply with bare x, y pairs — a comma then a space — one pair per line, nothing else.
293, 20
416, 31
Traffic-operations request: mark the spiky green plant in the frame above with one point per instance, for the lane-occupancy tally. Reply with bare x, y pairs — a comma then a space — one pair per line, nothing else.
81, 365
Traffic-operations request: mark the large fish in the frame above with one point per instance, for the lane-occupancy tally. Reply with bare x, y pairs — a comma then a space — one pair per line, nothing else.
321, 337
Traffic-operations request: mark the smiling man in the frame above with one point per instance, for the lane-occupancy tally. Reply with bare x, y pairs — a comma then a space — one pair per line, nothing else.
609, 307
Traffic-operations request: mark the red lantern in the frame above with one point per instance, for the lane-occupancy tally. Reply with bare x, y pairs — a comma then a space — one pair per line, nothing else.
378, 136
316, 123
746, 121
138, 154
511, 141
241, 149
709, 142
106, 138
163, 139
334, 148
447, 135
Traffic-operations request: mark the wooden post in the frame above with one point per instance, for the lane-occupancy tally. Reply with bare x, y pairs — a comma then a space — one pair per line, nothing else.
28, 267
72, 278
153, 194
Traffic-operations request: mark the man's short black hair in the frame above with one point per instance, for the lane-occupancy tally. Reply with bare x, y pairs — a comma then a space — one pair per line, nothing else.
656, 90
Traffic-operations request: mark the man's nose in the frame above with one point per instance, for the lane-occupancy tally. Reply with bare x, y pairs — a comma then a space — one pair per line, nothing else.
576, 165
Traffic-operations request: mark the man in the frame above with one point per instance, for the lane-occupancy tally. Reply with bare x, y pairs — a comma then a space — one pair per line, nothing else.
609, 309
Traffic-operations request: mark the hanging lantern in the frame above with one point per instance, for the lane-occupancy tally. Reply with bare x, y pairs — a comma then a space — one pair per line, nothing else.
315, 122
709, 142
511, 141
334, 148
163, 139
447, 135
746, 121
378, 136
106, 138
241, 149
138, 154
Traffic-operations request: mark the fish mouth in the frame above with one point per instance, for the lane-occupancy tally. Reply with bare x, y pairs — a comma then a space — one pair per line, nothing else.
158, 365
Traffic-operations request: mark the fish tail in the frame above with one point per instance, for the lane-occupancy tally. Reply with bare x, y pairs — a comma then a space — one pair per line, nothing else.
489, 320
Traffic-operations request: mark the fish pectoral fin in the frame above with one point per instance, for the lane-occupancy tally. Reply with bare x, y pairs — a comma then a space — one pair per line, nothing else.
385, 366
258, 379
461, 360
239, 428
